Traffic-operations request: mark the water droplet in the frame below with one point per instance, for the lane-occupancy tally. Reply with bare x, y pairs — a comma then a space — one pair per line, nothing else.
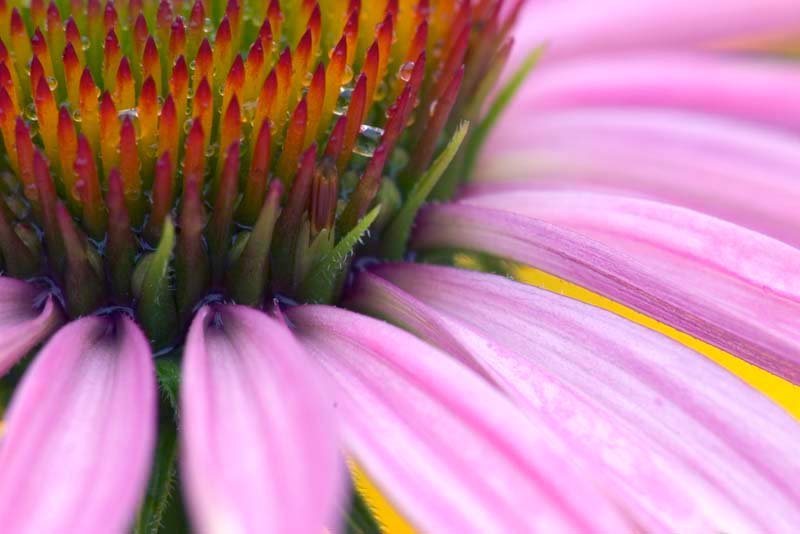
432, 108
307, 79
405, 71
52, 82
76, 115
30, 112
211, 149
367, 141
130, 113
85, 42
347, 75
187, 125
249, 111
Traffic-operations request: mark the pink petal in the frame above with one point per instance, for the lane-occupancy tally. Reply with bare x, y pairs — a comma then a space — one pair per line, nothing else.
22, 324
745, 88
260, 449
753, 316
572, 27
684, 443
77, 450
710, 164
446, 448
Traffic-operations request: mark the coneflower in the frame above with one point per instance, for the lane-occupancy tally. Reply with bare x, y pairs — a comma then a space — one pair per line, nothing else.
192, 189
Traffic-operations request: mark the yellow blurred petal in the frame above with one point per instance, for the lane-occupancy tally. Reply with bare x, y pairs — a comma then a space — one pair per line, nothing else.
388, 518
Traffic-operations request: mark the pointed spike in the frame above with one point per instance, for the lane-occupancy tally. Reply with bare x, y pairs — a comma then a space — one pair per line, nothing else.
121, 243
88, 185
109, 133
219, 227
315, 99
256, 184
90, 116
162, 199
67, 152
130, 171
192, 266
83, 287
203, 108
292, 145
194, 153
355, 114
247, 278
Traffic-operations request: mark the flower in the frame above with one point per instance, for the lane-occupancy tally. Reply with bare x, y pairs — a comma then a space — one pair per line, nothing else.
284, 139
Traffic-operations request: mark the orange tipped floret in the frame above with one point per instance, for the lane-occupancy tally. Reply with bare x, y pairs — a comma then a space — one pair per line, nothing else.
168, 132
20, 43
292, 145
383, 38
88, 186
275, 18
301, 60
67, 152
194, 35
223, 51
8, 114
315, 28
162, 198
151, 63
36, 73
7, 83
230, 129
90, 116
179, 88
109, 133
233, 12
110, 17
204, 65
265, 104
256, 183
177, 40
255, 71
283, 74
370, 72
203, 108
315, 99
234, 83
194, 153
55, 37
351, 36
130, 169
148, 126
47, 113
124, 89
355, 113
324, 197
164, 22
334, 74
112, 55
140, 36
73, 37
72, 75
40, 50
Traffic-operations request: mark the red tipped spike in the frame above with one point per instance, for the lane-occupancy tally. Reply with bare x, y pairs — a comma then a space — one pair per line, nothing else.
168, 137
179, 87
219, 226
151, 63
202, 108
315, 98
121, 244
355, 114
292, 145
194, 152
162, 198
130, 169
88, 186
109, 133
256, 184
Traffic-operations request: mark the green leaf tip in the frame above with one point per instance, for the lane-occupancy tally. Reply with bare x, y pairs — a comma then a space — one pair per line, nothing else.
396, 236
325, 278
156, 307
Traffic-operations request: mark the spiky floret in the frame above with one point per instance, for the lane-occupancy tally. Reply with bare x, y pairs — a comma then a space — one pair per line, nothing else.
266, 132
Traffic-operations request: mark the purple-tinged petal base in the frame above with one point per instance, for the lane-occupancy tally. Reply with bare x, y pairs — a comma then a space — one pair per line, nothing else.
80, 432
260, 448
22, 325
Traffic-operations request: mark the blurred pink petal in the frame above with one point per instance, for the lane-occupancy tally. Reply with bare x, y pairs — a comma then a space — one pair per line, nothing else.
752, 314
757, 90
572, 27
446, 448
260, 450
711, 164
80, 432
22, 325
685, 444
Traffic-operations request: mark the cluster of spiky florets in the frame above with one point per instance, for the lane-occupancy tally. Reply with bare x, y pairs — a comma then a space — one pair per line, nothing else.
238, 120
